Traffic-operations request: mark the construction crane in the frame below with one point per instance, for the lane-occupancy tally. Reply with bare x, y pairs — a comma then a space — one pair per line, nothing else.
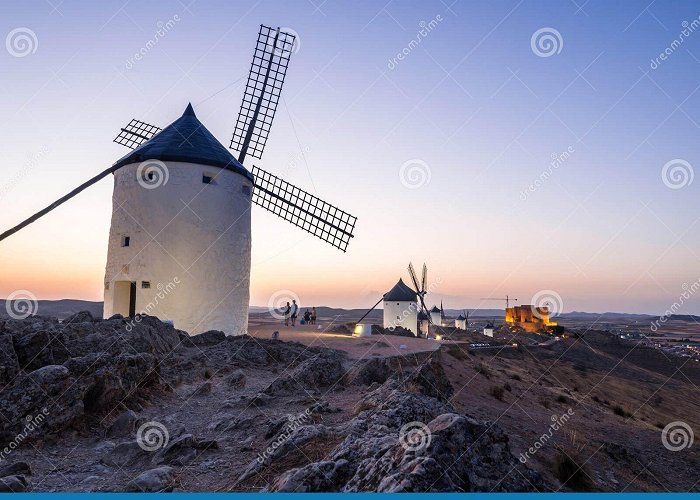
507, 299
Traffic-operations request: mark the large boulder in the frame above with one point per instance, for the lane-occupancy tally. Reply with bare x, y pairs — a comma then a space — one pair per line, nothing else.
323, 370
39, 341
9, 365
153, 481
235, 380
450, 453
431, 380
318, 476
124, 425
13, 484
46, 400
407, 437
208, 338
107, 381
79, 317
369, 371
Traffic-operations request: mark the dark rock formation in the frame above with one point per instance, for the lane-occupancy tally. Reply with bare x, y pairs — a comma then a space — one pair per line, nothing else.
323, 370
156, 480
412, 442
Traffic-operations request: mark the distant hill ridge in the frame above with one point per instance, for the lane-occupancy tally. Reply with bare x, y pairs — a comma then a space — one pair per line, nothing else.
65, 307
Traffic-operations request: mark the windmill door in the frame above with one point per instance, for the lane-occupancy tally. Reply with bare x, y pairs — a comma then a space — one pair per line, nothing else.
124, 300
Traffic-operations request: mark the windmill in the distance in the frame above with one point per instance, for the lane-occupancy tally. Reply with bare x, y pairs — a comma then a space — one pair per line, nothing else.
404, 307
420, 290
181, 208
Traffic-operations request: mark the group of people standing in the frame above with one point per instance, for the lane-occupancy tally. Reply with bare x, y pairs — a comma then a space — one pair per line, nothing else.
291, 313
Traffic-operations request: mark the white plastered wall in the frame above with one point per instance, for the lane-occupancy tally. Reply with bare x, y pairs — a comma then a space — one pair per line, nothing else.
403, 314
191, 241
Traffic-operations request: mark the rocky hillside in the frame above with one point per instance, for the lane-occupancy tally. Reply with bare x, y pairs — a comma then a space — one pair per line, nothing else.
120, 405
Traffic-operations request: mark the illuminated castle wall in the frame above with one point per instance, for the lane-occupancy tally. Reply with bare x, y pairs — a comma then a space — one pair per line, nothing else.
528, 317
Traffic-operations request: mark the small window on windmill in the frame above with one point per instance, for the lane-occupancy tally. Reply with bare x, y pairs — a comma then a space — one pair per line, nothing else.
126, 240
245, 189
145, 284
125, 269
107, 286
208, 179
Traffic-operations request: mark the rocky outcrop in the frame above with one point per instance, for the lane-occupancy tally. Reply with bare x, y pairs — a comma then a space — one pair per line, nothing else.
412, 441
369, 371
124, 425
13, 484
289, 416
39, 341
78, 367
323, 370
107, 381
160, 479
47, 400
235, 380
9, 365
452, 453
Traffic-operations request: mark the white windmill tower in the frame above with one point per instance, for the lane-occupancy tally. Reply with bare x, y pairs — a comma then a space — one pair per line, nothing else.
180, 233
436, 316
400, 308
404, 306
180, 238
462, 321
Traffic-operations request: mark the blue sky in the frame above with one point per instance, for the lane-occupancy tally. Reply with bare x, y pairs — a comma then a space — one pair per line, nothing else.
472, 104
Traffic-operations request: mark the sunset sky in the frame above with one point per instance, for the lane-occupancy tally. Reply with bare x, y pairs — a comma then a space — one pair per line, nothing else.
476, 107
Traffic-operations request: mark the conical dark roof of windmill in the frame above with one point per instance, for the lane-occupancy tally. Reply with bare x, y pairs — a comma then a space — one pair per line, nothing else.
400, 293
461, 318
435, 309
185, 140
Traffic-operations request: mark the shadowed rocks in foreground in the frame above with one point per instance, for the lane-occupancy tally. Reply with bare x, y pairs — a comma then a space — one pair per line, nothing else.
141, 406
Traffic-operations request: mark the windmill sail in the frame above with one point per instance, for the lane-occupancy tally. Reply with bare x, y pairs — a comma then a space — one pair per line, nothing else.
421, 291
261, 96
58, 202
262, 91
303, 209
136, 133
293, 204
